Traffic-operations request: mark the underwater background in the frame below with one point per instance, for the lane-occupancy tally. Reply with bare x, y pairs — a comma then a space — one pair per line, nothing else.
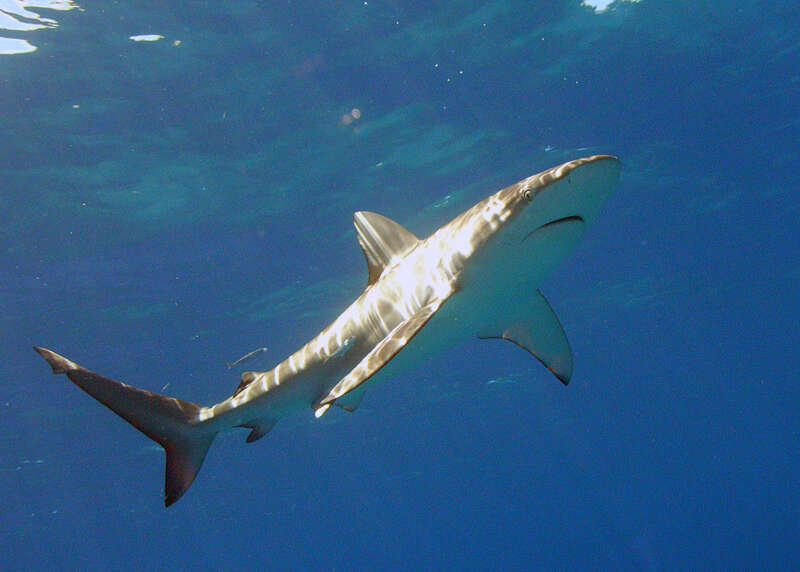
177, 182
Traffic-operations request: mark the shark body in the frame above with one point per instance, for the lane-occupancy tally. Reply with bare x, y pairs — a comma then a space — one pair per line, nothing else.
477, 275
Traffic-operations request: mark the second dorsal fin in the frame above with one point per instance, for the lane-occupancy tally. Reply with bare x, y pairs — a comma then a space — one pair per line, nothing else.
248, 377
381, 239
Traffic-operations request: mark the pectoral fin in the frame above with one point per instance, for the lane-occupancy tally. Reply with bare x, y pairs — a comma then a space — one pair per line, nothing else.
540, 333
379, 355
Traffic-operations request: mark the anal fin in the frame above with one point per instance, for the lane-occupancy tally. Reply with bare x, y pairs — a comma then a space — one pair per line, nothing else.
259, 428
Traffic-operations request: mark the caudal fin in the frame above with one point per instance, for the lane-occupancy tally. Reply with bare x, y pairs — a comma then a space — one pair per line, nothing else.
170, 422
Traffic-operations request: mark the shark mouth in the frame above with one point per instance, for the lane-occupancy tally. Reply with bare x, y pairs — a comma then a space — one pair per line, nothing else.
568, 221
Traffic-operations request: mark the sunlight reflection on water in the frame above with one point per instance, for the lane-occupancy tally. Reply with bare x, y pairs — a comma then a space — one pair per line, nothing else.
15, 16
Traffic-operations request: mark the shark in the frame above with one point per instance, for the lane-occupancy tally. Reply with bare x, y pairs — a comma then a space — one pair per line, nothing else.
478, 275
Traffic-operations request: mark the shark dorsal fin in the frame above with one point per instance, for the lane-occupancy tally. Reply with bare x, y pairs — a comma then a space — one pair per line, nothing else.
248, 377
381, 240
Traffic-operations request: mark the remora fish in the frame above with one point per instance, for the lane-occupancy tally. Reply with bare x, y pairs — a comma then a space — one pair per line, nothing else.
477, 275
246, 357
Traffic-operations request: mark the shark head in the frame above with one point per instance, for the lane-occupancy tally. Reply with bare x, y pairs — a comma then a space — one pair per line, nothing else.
570, 194
524, 231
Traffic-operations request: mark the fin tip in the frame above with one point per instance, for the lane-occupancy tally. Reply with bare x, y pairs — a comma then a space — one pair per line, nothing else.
58, 363
562, 377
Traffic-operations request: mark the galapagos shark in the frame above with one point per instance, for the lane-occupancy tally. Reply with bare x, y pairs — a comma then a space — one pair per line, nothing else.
478, 275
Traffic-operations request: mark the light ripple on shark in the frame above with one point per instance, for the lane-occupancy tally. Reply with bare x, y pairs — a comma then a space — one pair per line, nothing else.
477, 275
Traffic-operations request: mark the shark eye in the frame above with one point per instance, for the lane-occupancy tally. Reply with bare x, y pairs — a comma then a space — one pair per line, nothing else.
528, 195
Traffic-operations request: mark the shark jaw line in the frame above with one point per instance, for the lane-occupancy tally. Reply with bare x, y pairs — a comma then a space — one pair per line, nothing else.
423, 296
552, 223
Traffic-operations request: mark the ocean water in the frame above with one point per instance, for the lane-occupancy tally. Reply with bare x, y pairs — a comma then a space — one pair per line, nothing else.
177, 182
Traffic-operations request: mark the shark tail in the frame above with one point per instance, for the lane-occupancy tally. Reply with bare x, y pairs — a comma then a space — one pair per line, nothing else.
172, 423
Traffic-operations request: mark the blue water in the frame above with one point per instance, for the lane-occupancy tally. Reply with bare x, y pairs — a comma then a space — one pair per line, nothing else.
170, 205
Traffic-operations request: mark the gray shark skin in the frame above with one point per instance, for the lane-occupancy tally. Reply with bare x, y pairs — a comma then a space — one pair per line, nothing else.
477, 275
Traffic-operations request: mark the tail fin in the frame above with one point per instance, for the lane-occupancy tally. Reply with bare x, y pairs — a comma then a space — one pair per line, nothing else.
170, 422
